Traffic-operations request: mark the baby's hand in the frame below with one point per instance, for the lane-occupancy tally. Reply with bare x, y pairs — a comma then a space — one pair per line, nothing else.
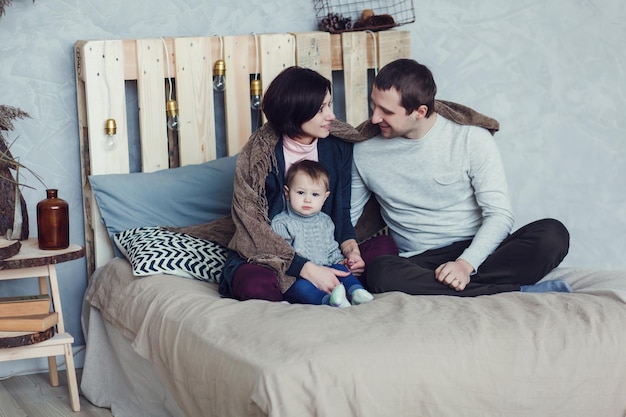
355, 264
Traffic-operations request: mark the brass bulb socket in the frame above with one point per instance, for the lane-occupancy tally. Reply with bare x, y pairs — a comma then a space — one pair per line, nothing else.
255, 87
110, 127
172, 107
219, 68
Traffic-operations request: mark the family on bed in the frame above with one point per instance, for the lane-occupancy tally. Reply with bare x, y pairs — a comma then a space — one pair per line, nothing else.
435, 172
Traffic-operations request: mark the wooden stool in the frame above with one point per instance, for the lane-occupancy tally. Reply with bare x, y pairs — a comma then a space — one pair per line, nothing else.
31, 262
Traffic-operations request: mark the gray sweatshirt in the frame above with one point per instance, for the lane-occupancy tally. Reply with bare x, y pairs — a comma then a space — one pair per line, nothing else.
446, 187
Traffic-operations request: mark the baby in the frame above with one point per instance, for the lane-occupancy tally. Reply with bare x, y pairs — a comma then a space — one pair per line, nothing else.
311, 233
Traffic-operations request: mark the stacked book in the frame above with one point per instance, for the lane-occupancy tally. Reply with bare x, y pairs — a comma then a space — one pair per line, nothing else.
29, 313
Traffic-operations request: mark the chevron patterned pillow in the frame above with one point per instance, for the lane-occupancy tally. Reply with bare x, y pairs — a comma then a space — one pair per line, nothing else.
153, 250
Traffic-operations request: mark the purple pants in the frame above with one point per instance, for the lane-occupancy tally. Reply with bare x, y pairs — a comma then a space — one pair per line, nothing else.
252, 281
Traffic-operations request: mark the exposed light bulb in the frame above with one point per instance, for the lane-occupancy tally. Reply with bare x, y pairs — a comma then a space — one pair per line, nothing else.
110, 129
172, 123
255, 94
172, 114
255, 102
219, 70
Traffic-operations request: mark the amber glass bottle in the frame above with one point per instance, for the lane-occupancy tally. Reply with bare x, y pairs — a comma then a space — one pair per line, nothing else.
53, 222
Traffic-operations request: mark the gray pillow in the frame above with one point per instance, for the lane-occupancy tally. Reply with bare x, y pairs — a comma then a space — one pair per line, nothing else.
177, 197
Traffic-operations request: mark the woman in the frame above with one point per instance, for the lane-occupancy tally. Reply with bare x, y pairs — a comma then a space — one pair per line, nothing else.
297, 105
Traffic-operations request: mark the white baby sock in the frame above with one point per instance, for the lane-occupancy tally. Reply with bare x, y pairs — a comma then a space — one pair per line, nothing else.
360, 296
338, 297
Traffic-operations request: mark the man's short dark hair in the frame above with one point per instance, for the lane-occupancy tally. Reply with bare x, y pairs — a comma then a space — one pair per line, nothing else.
412, 80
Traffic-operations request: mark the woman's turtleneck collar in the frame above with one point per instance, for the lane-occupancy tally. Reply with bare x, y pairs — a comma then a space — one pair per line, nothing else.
298, 147
295, 151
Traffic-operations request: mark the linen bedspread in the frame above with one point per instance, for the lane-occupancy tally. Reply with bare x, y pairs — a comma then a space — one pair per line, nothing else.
512, 354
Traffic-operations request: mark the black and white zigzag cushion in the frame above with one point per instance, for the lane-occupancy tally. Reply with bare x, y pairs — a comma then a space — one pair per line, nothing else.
153, 250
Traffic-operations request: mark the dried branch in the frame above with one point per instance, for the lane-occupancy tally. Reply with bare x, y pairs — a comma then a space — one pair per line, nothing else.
3, 4
8, 161
8, 114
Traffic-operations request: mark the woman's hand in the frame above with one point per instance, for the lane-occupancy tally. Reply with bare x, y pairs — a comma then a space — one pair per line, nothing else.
323, 277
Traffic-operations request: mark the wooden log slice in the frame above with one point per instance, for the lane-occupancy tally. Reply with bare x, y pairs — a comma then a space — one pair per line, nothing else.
30, 255
9, 248
17, 339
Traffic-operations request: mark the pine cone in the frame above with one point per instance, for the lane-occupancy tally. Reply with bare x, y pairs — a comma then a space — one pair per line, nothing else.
334, 22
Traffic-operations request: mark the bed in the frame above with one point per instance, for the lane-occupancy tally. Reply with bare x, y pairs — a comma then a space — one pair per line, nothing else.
162, 342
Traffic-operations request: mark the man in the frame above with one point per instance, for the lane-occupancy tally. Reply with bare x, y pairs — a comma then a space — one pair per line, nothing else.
442, 192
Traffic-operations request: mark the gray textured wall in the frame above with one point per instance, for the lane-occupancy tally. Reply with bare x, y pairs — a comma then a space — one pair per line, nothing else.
551, 72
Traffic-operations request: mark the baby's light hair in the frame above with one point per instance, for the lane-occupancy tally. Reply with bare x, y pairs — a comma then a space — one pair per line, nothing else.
313, 169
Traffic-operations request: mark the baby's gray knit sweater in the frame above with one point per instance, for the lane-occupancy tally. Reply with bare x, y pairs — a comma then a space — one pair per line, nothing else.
312, 237
446, 187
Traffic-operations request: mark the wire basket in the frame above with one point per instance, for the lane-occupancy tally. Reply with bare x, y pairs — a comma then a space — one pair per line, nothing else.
336, 16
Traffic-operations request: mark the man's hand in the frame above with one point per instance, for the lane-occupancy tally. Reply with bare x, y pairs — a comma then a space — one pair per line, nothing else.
454, 274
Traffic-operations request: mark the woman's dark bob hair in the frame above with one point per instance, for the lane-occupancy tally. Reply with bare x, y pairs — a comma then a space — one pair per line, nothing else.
294, 97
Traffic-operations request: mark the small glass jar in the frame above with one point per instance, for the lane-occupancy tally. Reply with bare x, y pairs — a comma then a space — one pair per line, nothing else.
53, 222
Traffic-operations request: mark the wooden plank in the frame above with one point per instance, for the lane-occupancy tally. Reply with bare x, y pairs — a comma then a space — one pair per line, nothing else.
101, 65
196, 133
313, 51
32, 395
389, 45
24, 305
392, 45
239, 66
53, 346
336, 53
130, 53
151, 97
354, 47
101, 249
85, 159
103, 71
10, 405
277, 52
30, 323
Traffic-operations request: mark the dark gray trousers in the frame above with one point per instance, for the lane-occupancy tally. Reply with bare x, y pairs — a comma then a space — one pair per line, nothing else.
523, 258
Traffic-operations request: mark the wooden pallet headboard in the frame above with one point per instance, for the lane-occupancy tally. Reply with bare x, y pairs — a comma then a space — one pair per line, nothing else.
103, 68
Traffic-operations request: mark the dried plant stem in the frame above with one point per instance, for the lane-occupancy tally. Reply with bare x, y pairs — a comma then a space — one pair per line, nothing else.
7, 115
3, 4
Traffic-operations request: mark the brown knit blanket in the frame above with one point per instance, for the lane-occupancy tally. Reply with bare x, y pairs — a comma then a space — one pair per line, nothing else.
248, 230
